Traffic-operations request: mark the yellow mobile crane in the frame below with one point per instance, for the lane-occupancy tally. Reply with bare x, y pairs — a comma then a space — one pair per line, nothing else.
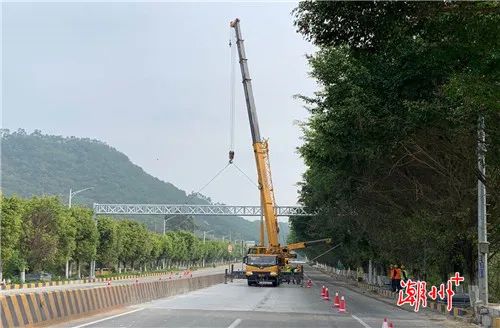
263, 263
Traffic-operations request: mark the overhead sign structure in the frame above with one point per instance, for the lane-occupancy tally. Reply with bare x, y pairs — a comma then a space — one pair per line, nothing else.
205, 210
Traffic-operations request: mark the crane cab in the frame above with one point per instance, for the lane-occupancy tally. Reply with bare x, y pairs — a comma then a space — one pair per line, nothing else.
261, 268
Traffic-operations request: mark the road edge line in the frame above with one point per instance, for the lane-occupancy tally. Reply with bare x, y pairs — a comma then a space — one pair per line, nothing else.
107, 318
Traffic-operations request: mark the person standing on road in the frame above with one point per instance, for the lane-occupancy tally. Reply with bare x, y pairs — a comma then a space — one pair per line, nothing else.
404, 274
391, 276
397, 278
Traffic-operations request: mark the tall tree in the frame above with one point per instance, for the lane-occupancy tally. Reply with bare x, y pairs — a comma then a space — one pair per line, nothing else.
11, 226
391, 142
87, 236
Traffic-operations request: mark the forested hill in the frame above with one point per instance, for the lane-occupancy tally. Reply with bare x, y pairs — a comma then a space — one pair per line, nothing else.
38, 164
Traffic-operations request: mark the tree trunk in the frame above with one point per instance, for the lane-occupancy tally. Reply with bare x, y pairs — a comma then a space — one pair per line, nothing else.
23, 275
67, 269
79, 268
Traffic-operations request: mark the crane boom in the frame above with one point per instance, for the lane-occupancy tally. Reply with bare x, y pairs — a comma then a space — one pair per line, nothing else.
304, 244
261, 148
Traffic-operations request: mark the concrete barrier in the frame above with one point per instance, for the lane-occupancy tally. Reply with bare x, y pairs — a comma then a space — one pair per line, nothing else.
89, 280
30, 309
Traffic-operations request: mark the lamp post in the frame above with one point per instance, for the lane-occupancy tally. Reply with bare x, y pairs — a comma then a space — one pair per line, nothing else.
165, 223
204, 234
72, 193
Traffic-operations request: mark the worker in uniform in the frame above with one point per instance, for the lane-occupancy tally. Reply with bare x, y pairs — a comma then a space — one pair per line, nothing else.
397, 278
292, 270
288, 270
391, 277
404, 274
298, 272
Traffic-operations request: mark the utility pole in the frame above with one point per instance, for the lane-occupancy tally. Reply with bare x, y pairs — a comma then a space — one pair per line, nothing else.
481, 216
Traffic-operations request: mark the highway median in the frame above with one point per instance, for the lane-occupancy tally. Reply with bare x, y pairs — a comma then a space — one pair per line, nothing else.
44, 308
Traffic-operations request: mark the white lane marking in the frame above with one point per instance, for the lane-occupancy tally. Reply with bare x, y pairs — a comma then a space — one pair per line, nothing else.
235, 323
361, 322
108, 318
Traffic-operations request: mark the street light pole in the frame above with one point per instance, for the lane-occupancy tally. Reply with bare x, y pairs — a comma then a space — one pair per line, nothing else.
71, 194
165, 223
204, 234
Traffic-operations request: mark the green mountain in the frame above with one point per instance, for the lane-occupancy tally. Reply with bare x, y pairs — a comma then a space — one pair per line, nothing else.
38, 164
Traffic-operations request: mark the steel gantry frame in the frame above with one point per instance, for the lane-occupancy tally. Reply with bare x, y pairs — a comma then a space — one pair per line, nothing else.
185, 209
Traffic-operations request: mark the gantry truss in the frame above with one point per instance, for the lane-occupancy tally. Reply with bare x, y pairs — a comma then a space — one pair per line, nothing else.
184, 209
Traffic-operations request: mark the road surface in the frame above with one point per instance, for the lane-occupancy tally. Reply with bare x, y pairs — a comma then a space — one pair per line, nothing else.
237, 305
196, 273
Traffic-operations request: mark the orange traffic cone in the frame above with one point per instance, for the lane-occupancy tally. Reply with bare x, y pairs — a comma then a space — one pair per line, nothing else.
342, 305
309, 283
322, 291
327, 295
336, 301
384, 324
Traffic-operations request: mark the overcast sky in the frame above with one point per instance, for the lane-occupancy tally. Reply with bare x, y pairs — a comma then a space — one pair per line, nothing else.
152, 80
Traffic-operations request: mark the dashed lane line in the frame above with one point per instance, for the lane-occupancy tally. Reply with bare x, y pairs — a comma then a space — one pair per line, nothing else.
361, 321
108, 318
235, 323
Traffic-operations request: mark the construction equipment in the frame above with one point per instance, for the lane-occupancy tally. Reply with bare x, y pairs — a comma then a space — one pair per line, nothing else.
263, 263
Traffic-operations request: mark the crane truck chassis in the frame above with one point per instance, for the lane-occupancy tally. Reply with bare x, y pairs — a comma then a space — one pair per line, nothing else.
266, 268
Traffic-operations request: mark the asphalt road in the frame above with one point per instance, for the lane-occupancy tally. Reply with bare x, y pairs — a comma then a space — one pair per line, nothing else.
196, 273
237, 305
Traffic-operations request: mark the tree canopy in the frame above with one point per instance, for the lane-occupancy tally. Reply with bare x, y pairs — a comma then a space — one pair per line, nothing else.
391, 142
41, 234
